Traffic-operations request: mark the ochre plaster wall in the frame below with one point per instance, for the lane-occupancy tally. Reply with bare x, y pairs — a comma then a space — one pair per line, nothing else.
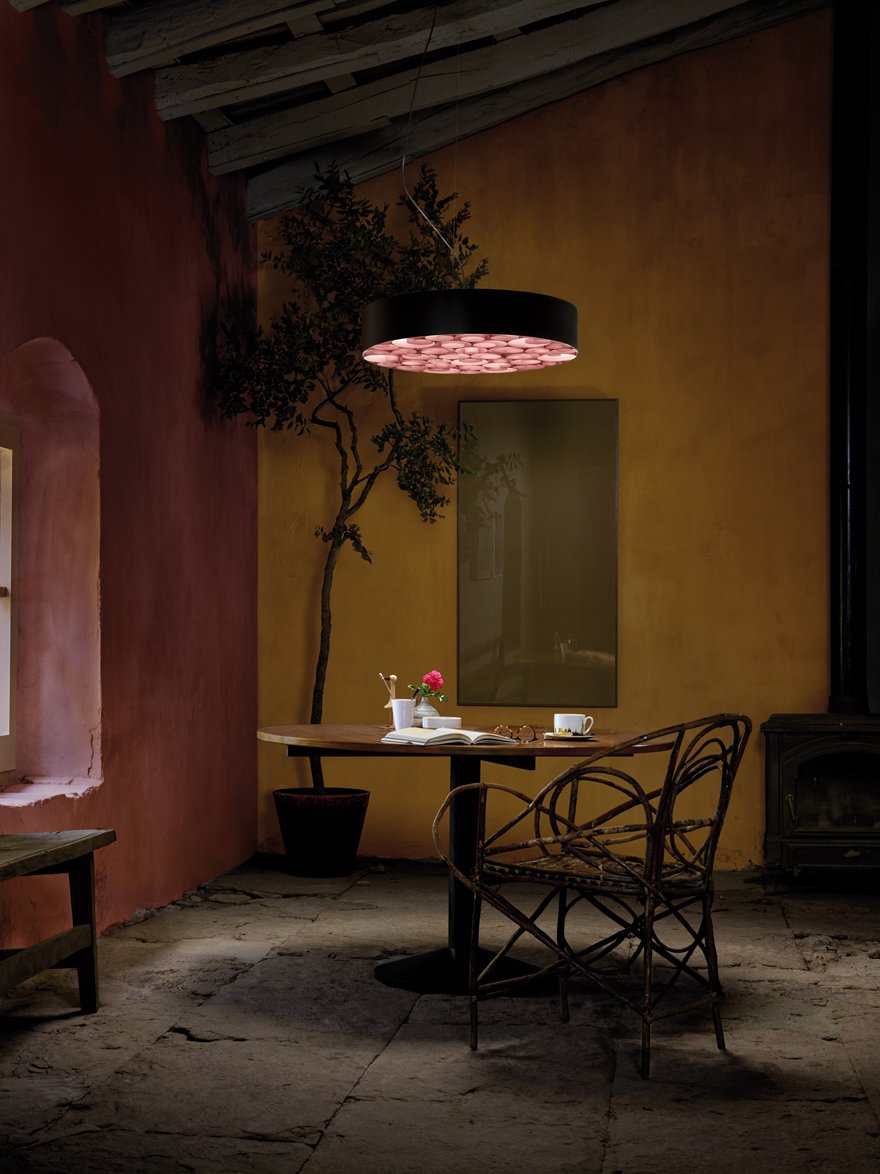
684, 208
118, 245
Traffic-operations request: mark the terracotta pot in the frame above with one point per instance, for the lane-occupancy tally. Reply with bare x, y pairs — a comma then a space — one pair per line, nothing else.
321, 830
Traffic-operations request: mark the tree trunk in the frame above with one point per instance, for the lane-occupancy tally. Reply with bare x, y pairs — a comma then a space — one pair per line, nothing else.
323, 655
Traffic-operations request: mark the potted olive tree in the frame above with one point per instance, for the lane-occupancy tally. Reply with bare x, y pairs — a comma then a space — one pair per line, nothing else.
306, 374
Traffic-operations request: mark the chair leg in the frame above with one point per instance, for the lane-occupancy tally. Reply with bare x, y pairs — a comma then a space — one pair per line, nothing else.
719, 1030
474, 970
709, 950
474, 1023
560, 938
712, 967
648, 985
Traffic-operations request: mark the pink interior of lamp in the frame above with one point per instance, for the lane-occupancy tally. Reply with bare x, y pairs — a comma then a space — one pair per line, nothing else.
470, 353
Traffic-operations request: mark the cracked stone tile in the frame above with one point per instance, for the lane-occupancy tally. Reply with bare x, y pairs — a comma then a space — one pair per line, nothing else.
134, 961
284, 995
585, 1007
588, 1006
255, 920
236, 1037
112, 1150
83, 1044
145, 990
457, 1137
745, 940
268, 882
31, 1101
220, 897
775, 1005
430, 1104
857, 958
739, 1129
371, 932
429, 1060
224, 1088
804, 1139
856, 1020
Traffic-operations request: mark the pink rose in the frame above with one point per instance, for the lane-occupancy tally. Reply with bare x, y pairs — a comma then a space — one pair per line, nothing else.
433, 680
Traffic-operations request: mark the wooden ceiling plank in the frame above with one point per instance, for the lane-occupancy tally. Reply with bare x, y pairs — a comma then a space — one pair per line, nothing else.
348, 9
156, 34
366, 156
82, 7
26, 5
236, 77
465, 76
305, 25
210, 120
343, 82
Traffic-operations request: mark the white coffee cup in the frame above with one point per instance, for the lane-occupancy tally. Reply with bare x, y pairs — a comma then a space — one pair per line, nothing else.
572, 723
402, 712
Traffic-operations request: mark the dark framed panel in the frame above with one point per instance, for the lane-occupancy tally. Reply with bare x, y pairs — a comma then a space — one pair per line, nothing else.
537, 553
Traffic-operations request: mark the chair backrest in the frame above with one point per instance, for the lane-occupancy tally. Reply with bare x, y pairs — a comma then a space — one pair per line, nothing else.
668, 831
691, 806
599, 812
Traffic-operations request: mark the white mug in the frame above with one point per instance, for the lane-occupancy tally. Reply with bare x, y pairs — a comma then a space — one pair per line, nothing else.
402, 712
572, 723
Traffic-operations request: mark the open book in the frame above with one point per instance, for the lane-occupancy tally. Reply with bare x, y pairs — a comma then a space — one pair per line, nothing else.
413, 736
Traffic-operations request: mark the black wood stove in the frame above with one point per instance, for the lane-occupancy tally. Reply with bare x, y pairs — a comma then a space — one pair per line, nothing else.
823, 791
823, 770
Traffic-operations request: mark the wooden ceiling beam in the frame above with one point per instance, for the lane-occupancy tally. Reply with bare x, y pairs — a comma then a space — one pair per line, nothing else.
81, 7
158, 33
237, 77
71, 7
366, 156
362, 127
465, 76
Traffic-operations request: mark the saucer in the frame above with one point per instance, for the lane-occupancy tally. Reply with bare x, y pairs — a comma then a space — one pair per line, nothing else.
550, 737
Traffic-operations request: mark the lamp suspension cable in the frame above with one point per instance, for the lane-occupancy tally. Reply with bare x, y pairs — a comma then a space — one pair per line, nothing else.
421, 211
465, 331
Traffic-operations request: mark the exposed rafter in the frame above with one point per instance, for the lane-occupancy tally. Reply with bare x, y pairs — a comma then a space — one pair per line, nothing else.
256, 73
278, 87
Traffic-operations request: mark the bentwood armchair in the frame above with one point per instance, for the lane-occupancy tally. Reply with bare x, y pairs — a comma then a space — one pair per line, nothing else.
630, 837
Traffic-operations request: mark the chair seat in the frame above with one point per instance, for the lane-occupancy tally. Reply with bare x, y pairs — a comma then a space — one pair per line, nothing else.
593, 870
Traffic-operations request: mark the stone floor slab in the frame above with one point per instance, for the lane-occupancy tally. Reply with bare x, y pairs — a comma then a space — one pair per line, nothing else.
242, 1030
111, 1151
224, 1088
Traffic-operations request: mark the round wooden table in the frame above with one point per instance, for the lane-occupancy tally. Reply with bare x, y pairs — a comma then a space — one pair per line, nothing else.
445, 970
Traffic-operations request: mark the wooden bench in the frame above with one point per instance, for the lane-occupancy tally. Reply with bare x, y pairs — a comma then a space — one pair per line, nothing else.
40, 853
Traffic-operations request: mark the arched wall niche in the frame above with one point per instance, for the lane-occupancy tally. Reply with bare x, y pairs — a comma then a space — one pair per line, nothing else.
58, 679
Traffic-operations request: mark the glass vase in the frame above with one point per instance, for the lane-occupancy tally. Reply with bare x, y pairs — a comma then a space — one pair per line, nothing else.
424, 709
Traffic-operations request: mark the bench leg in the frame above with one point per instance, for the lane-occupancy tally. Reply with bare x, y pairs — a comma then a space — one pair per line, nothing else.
81, 874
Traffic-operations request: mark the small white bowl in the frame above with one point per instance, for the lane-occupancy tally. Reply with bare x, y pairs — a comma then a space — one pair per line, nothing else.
442, 723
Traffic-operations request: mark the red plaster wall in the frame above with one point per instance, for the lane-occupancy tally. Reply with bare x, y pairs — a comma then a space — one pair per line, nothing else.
117, 243
57, 578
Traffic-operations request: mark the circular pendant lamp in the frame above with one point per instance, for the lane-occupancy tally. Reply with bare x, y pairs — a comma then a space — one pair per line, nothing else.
469, 331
